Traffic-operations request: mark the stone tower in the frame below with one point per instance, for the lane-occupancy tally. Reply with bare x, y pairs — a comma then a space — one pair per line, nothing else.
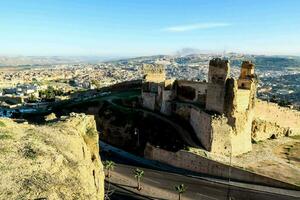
240, 100
247, 82
247, 75
217, 76
153, 82
234, 100
154, 73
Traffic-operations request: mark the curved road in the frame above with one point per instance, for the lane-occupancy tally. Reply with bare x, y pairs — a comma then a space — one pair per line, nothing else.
184, 134
160, 185
160, 179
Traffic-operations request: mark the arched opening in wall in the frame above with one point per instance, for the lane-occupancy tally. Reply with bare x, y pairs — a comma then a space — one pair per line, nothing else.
243, 85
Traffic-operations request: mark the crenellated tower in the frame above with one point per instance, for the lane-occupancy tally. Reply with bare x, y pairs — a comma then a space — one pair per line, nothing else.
153, 82
217, 76
247, 75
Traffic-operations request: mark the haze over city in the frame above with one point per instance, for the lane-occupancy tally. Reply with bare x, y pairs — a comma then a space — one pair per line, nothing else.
133, 28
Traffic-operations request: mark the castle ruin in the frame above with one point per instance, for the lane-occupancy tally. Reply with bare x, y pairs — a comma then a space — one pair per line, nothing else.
220, 110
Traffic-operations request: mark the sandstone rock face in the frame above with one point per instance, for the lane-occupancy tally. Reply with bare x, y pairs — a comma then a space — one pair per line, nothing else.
50, 117
54, 161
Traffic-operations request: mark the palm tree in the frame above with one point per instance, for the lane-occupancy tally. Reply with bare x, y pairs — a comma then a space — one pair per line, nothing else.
180, 190
138, 174
108, 166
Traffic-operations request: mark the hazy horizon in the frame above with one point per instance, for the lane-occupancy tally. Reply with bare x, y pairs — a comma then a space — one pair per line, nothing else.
173, 53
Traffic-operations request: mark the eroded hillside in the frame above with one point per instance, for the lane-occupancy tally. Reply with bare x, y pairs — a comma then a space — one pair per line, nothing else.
59, 160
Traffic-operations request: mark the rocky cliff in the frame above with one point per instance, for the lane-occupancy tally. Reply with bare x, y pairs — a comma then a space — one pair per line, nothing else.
59, 160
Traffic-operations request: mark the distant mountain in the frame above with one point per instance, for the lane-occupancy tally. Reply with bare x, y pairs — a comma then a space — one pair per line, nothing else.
183, 57
276, 62
44, 60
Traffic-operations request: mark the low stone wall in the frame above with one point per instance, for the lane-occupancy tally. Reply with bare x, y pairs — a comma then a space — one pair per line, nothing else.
196, 88
196, 163
201, 123
262, 130
276, 116
166, 105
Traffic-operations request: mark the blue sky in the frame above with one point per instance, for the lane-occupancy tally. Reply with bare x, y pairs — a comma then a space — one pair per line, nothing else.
145, 27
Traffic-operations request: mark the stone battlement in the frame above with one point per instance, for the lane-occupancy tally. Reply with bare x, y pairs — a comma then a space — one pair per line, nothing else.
218, 62
153, 68
247, 64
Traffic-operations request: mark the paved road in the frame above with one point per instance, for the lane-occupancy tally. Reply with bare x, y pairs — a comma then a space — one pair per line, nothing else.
164, 182
199, 187
118, 193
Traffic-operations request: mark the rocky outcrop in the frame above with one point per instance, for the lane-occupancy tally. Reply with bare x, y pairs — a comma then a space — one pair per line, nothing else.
55, 161
50, 117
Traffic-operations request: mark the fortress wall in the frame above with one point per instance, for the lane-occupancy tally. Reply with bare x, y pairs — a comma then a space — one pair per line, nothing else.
244, 83
197, 163
155, 77
148, 100
279, 116
262, 130
183, 110
221, 136
133, 84
200, 89
215, 98
241, 136
240, 116
169, 83
243, 98
159, 97
201, 123
166, 106
214, 132
167, 95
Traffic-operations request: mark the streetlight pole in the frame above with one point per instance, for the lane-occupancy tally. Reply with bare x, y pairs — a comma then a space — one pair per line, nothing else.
229, 174
136, 132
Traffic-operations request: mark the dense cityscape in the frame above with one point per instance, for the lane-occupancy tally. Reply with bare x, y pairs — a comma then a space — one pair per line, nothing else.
34, 84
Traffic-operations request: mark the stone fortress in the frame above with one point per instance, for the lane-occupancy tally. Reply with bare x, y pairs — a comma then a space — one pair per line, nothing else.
221, 110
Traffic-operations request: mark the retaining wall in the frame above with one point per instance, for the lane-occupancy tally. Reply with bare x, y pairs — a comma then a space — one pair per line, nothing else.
196, 163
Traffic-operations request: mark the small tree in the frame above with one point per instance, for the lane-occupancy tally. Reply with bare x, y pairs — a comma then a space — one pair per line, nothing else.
109, 166
180, 189
138, 174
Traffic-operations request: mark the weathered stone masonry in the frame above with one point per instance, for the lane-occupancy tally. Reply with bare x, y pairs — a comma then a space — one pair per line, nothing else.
221, 111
